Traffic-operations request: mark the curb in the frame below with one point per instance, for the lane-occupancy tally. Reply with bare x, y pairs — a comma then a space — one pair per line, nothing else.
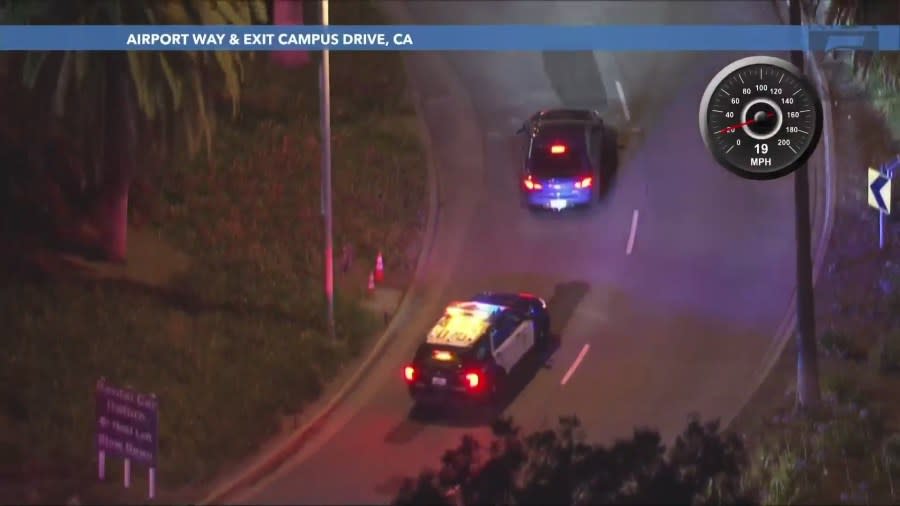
269, 463
787, 327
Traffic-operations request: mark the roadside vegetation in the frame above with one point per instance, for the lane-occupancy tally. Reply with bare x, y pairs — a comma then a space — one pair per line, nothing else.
848, 451
218, 308
879, 73
559, 466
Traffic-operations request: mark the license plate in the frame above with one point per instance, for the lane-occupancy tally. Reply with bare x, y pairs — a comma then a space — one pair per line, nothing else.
439, 381
558, 204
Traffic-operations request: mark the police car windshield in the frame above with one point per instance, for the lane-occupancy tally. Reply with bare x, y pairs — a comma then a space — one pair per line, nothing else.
558, 152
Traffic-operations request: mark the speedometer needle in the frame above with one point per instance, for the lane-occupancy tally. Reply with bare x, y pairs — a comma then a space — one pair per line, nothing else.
734, 128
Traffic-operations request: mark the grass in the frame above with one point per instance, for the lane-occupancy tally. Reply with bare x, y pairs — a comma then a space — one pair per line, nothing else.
814, 459
238, 340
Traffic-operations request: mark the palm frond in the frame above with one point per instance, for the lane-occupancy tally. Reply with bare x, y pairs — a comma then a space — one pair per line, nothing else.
176, 86
82, 62
63, 80
171, 90
260, 11
172, 12
23, 13
203, 119
136, 65
235, 14
209, 14
31, 68
230, 67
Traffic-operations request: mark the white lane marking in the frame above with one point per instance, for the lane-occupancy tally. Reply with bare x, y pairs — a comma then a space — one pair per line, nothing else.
575, 364
633, 233
624, 102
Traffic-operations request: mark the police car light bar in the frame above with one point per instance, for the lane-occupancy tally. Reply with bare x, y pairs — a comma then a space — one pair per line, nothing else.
479, 310
462, 323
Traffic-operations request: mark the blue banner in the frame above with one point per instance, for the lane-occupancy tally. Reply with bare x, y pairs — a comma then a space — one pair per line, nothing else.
449, 38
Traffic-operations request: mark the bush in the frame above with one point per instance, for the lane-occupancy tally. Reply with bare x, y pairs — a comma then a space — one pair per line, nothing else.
703, 466
889, 353
843, 388
779, 472
838, 344
845, 437
890, 452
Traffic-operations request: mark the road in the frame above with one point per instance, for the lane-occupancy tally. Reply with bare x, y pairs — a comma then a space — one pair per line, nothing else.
667, 295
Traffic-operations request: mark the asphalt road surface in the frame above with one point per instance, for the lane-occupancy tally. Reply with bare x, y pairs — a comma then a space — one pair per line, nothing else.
667, 295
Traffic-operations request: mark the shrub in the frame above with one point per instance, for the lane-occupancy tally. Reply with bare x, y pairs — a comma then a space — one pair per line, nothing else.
843, 388
557, 466
890, 452
889, 353
838, 344
845, 437
780, 470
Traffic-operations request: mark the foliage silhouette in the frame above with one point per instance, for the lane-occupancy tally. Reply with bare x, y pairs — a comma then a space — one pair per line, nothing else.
557, 466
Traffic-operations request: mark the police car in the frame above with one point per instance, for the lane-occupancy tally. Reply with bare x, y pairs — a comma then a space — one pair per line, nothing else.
563, 158
475, 345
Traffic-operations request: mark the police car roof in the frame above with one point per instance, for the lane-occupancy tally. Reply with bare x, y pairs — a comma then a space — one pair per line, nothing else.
463, 323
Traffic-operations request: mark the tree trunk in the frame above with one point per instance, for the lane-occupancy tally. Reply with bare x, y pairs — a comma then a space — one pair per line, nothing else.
120, 160
113, 217
808, 390
289, 12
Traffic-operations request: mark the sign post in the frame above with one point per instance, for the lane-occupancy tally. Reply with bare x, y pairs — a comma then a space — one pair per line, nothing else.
878, 188
128, 428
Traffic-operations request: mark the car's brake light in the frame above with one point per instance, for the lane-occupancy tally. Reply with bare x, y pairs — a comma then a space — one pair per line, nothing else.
473, 380
584, 183
557, 149
409, 373
531, 184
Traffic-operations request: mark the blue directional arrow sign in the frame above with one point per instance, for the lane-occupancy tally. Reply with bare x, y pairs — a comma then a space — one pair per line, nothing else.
879, 190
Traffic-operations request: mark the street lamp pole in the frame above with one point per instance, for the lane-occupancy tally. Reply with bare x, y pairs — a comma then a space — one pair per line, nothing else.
808, 393
325, 96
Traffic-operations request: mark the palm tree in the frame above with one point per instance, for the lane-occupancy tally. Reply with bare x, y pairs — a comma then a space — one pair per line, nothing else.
121, 101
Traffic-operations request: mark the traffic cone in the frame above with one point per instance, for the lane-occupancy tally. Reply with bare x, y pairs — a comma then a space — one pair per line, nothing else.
371, 287
379, 268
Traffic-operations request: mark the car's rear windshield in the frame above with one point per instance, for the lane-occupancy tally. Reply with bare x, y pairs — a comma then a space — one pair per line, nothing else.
448, 354
558, 153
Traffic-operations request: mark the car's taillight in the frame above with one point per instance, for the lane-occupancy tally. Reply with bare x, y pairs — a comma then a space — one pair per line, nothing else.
473, 379
409, 373
531, 184
584, 183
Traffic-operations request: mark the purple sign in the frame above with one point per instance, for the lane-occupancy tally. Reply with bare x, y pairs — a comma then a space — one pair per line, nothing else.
127, 424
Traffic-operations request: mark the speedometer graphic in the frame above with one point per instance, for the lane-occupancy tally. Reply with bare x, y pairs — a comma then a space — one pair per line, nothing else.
761, 118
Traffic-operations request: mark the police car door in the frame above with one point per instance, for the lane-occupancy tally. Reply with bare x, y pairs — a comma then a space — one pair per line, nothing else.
523, 336
519, 337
